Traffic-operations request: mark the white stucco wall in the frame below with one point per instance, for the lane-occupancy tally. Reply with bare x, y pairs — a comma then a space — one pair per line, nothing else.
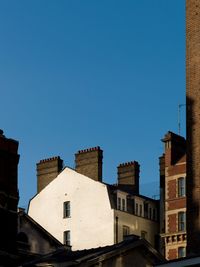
136, 225
91, 223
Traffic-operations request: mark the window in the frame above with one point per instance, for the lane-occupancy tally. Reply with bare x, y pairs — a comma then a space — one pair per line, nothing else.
144, 234
123, 204
150, 213
66, 209
136, 208
181, 252
181, 187
141, 210
154, 214
126, 231
146, 208
67, 238
119, 203
181, 221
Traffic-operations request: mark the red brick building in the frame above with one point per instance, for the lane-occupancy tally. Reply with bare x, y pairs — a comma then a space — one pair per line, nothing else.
173, 196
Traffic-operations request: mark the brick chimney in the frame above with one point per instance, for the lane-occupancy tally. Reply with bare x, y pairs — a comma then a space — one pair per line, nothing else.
128, 176
89, 162
175, 148
47, 171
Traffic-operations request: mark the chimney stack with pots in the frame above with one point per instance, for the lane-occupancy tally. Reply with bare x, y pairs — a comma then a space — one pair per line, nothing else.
128, 176
47, 171
89, 163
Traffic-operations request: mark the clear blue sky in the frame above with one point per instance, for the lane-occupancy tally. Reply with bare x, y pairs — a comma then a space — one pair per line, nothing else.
80, 73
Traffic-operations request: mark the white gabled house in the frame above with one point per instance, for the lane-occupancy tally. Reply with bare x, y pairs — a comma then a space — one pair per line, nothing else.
78, 209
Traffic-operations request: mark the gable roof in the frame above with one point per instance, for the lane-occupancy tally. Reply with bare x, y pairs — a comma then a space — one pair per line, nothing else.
39, 228
72, 258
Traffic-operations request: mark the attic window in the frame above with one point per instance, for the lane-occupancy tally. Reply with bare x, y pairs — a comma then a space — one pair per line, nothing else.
119, 203
123, 204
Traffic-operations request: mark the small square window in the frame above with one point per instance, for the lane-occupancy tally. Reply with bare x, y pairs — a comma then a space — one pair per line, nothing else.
66, 209
143, 234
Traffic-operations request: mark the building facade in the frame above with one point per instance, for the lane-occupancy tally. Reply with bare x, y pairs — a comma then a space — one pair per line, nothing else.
193, 123
133, 251
173, 197
9, 196
74, 205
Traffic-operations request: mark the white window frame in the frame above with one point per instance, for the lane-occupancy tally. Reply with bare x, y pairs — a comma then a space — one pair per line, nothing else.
119, 203
182, 221
123, 204
181, 187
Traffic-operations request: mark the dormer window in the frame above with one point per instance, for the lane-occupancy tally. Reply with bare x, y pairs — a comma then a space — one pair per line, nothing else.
123, 204
119, 203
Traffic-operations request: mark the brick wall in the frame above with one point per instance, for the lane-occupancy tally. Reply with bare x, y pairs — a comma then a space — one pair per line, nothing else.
172, 221
193, 123
89, 162
175, 168
177, 204
172, 254
171, 189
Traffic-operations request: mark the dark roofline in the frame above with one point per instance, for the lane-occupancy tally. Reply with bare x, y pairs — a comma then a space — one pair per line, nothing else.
115, 187
127, 245
40, 228
181, 259
94, 254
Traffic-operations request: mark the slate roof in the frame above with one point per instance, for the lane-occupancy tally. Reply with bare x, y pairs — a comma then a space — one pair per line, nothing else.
72, 258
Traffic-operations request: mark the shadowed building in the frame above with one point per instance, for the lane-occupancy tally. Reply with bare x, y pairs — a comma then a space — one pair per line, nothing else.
9, 196
133, 251
173, 197
193, 124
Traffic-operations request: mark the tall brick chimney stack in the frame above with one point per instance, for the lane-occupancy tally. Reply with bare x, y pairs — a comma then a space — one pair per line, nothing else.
47, 171
175, 148
128, 176
193, 124
89, 163
9, 195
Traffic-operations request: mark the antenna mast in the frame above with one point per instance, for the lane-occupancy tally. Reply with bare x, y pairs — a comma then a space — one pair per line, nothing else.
179, 120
